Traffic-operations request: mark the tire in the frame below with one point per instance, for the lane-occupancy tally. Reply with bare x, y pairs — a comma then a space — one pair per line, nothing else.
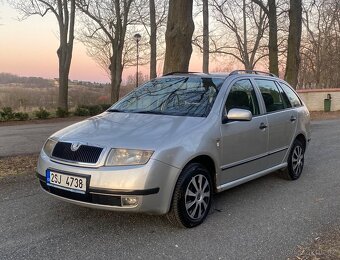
192, 197
296, 161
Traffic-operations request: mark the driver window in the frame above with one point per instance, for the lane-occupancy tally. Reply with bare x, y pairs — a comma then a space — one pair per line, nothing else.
242, 95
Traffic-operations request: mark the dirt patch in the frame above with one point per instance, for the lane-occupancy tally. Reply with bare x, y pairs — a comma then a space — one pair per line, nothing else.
45, 121
325, 247
320, 115
18, 165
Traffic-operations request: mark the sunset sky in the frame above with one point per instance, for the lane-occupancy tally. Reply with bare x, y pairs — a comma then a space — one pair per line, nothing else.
28, 48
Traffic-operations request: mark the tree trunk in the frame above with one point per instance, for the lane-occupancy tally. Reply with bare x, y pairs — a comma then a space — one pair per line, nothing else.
205, 36
273, 48
66, 28
178, 36
271, 13
113, 96
247, 63
116, 77
116, 69
294, 41
63, 89
115, 84
153, 40
117, 80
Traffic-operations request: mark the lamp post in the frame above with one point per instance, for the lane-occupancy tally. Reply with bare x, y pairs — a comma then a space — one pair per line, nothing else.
137, 37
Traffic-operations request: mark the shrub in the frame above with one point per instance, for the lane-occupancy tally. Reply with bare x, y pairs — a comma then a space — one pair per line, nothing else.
81, 111
90, 110
7, 113
21, 116
42, 113
62, 112
105, 106
93, 109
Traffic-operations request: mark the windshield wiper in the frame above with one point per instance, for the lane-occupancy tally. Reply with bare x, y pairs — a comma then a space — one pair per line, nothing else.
115, 110
148, 112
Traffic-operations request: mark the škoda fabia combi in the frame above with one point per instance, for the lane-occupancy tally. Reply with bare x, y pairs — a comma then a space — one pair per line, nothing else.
169, 145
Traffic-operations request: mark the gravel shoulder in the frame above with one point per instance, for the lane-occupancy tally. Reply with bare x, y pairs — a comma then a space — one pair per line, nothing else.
12, 167
325, 247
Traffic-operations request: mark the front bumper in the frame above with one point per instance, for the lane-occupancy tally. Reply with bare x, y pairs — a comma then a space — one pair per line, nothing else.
152, 184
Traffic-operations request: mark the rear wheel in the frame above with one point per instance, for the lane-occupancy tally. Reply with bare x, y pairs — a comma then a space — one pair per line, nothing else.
192, 197
296, 161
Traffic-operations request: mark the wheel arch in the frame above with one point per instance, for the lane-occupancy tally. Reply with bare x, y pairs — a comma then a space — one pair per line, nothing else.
172, 214
209, 163
301, 137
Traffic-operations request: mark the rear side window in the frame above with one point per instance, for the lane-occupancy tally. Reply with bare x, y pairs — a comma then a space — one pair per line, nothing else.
285, 98
242, 95
293, 98
271, 95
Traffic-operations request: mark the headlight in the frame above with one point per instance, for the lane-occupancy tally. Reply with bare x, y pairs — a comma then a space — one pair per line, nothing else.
127, 157
49, 146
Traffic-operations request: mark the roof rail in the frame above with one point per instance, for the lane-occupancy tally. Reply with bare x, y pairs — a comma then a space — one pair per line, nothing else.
180, 72
252, 72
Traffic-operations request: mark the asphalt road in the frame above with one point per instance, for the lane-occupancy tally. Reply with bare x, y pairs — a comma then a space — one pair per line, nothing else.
25, 139
263, 219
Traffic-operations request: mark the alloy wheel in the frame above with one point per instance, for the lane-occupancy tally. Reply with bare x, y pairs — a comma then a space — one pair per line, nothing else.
197, 196
297, 160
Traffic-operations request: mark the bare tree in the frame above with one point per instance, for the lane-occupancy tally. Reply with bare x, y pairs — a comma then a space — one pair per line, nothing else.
294, 41
64, 11
205, 36
320, 47
178, 37
98, 48
241, 32
153, 20
108, 22
270, 11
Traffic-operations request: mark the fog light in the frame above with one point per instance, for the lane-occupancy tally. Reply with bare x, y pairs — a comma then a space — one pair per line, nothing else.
129, 201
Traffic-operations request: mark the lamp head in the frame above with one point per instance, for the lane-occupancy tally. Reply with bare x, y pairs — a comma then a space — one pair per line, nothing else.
137, 37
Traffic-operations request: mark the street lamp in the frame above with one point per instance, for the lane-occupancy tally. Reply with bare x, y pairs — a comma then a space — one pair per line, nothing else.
137, 38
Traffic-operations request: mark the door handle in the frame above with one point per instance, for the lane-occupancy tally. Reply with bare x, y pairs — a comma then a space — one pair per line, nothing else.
292, 119
263, 126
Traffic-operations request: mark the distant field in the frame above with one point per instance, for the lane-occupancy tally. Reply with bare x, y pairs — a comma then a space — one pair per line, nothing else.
25, 98
28, 94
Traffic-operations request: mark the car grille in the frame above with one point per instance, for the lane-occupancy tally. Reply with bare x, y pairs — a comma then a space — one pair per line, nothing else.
84, 154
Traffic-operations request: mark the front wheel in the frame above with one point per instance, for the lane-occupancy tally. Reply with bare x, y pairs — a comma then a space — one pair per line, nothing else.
296, 161
192, 197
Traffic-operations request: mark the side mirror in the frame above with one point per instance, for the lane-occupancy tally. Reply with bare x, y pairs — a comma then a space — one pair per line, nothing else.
237, 114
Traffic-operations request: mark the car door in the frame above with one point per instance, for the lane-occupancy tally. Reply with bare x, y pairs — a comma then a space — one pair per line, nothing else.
243, 143
282, 119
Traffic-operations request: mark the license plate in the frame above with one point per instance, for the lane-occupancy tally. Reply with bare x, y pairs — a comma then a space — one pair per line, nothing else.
66, 182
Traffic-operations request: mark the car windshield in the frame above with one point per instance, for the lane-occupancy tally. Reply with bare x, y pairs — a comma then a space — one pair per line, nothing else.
180, 96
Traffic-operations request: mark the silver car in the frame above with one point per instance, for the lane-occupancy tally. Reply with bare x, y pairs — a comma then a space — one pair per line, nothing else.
169, 145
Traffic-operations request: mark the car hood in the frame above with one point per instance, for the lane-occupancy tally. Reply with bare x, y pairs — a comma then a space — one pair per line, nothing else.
129, 130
